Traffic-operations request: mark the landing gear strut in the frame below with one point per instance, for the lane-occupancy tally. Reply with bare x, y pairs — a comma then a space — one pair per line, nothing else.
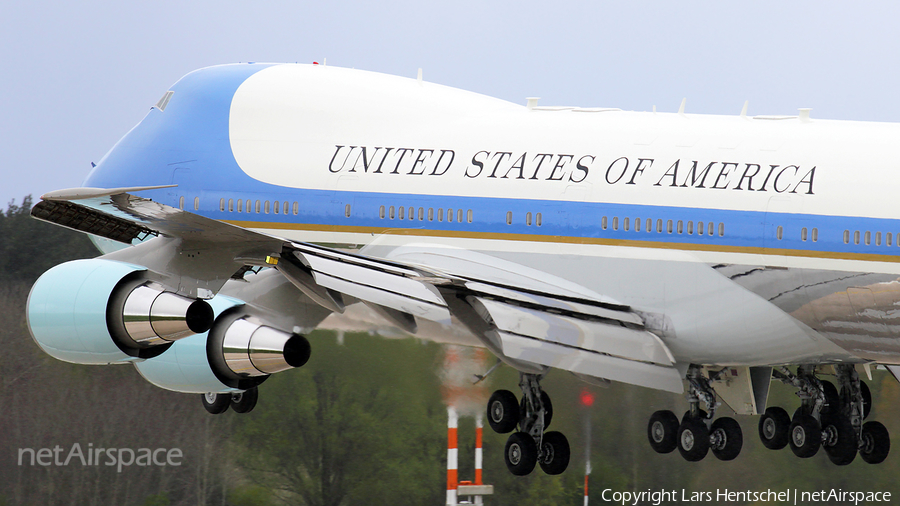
827, 419
531, 445
697, 433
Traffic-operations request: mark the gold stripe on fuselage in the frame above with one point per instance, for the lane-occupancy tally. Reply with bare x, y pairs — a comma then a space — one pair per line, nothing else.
715, 248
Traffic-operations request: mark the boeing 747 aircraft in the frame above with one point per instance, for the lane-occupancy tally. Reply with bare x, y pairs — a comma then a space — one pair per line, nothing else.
704, 255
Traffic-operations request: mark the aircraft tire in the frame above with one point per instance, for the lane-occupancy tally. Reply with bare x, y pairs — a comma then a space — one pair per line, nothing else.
555, 453
216, 403
503, 411
245, 401
693, 439
729, 438
805, 435
662, 431
520, 453
840, 444
876, 443
832, 399
775, 428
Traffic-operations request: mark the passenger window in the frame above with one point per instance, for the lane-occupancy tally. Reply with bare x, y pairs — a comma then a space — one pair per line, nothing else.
846, 237
267, 207
649, 225
421, 214
680, 227
430, 214
637, 224
887, 238
803, 234
856, 237
537, 219
346, 210
222, 204
276, 206
659, 226
402, 215
616, 223
285, 207
669, 226
509, 217
528, 219
391, 212
877, 238
459, 215
440, 214
412, 213
296, 208
721, 229
711, 229
230, 205
181, 202
625, 224
381, 212
450, 215
240, 206
603, 223
196, 203
469, 217
690, 228
258, 207
779, 232
868, 238
815, 235
699, 228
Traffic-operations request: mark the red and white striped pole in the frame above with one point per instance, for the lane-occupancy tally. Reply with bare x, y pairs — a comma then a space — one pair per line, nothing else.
452, 456
586, 475
479, 425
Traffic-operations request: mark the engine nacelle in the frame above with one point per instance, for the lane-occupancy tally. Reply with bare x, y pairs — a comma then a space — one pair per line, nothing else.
101, 311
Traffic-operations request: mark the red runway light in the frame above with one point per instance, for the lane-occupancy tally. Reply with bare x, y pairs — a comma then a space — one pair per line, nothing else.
587, 398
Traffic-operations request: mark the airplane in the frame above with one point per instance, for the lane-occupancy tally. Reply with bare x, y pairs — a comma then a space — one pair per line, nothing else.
703, 255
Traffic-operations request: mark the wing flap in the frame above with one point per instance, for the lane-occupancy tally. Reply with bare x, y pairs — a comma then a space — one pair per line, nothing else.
591, 363
607, 338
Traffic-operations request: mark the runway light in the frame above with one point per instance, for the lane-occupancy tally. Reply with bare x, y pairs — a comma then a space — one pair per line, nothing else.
587, 398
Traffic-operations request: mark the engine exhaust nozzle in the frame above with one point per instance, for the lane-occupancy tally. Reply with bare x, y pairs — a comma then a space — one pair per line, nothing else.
253, 349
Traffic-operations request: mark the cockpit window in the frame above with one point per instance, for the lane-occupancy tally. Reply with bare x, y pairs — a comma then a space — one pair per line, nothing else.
164, 101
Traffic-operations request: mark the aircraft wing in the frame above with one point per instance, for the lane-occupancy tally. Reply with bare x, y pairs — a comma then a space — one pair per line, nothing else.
528, 318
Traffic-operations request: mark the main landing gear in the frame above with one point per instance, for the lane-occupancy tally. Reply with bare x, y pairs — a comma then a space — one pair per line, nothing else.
827, 418
240, 402
531, 445
696, 434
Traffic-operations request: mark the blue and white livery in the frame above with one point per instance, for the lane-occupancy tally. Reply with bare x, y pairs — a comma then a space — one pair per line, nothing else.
687, 253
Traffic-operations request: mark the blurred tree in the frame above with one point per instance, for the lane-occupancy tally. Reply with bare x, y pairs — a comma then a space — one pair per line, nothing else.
28, 247
361, 423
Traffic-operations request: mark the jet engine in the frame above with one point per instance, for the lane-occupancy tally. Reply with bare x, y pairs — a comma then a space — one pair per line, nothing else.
239, 353
101, 311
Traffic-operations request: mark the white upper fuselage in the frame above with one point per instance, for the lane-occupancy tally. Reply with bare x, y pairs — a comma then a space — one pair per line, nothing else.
645, 208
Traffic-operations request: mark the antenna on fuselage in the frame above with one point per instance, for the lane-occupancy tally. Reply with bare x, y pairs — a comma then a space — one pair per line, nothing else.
419, 76
681, 108
744, 110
